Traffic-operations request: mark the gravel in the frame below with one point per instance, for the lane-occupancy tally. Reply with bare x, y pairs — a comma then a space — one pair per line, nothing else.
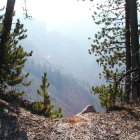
19, 124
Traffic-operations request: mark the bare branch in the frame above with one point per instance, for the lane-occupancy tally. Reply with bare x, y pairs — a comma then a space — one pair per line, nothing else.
128, 73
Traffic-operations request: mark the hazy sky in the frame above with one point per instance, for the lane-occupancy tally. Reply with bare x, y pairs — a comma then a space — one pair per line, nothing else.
60, 15
70, 18
59, 11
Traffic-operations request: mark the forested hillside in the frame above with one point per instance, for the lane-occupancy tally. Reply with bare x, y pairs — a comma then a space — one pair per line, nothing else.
57, 46
65, 90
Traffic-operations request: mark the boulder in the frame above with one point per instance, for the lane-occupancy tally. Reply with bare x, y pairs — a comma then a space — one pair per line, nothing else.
87, 109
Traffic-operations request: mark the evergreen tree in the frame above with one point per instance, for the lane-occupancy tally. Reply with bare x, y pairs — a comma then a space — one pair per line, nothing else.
44, 106
110, 95
113, 43
7, 24
135, 50
109, 47
108, 43
12, 55
128, 52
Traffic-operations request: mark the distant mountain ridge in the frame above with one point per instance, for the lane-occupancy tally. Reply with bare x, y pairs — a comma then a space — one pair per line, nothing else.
65, 91
66, 62
66, 49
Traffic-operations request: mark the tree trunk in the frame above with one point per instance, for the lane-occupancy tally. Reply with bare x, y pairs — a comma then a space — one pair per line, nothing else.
135, 49
7, 23
128, 52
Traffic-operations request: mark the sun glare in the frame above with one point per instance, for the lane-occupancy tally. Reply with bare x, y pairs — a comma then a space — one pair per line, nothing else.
56, 10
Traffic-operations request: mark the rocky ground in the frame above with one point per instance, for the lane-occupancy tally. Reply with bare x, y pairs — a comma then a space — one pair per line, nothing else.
16, 123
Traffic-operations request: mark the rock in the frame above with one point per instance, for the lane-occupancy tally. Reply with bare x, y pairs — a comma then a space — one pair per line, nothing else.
87, 109
119, 125
5, 110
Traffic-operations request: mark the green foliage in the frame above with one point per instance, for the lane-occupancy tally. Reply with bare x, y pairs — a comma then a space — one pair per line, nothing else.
110, 95
44, 106
13, 59
109, 47
111, 44
16, 92
57, 114
108, 42
37, 106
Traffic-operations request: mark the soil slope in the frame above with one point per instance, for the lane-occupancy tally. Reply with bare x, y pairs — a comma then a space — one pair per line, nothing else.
16, 123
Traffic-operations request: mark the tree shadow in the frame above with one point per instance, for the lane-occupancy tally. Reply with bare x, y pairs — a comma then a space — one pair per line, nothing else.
8, 122
135, 115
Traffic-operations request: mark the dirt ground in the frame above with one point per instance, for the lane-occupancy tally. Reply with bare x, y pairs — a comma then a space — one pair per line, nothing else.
19, 124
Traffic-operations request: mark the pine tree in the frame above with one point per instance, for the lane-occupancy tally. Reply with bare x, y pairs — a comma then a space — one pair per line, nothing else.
44, 106
135, 50
110, 95
7, 23
113, 43
108, 43
46, 103
128, 52
12, 55
108, 46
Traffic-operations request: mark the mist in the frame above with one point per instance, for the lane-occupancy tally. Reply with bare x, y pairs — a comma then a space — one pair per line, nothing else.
58, 37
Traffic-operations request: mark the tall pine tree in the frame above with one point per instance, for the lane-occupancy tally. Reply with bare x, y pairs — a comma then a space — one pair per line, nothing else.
135, 50
117, 44
128, 52
12, 55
